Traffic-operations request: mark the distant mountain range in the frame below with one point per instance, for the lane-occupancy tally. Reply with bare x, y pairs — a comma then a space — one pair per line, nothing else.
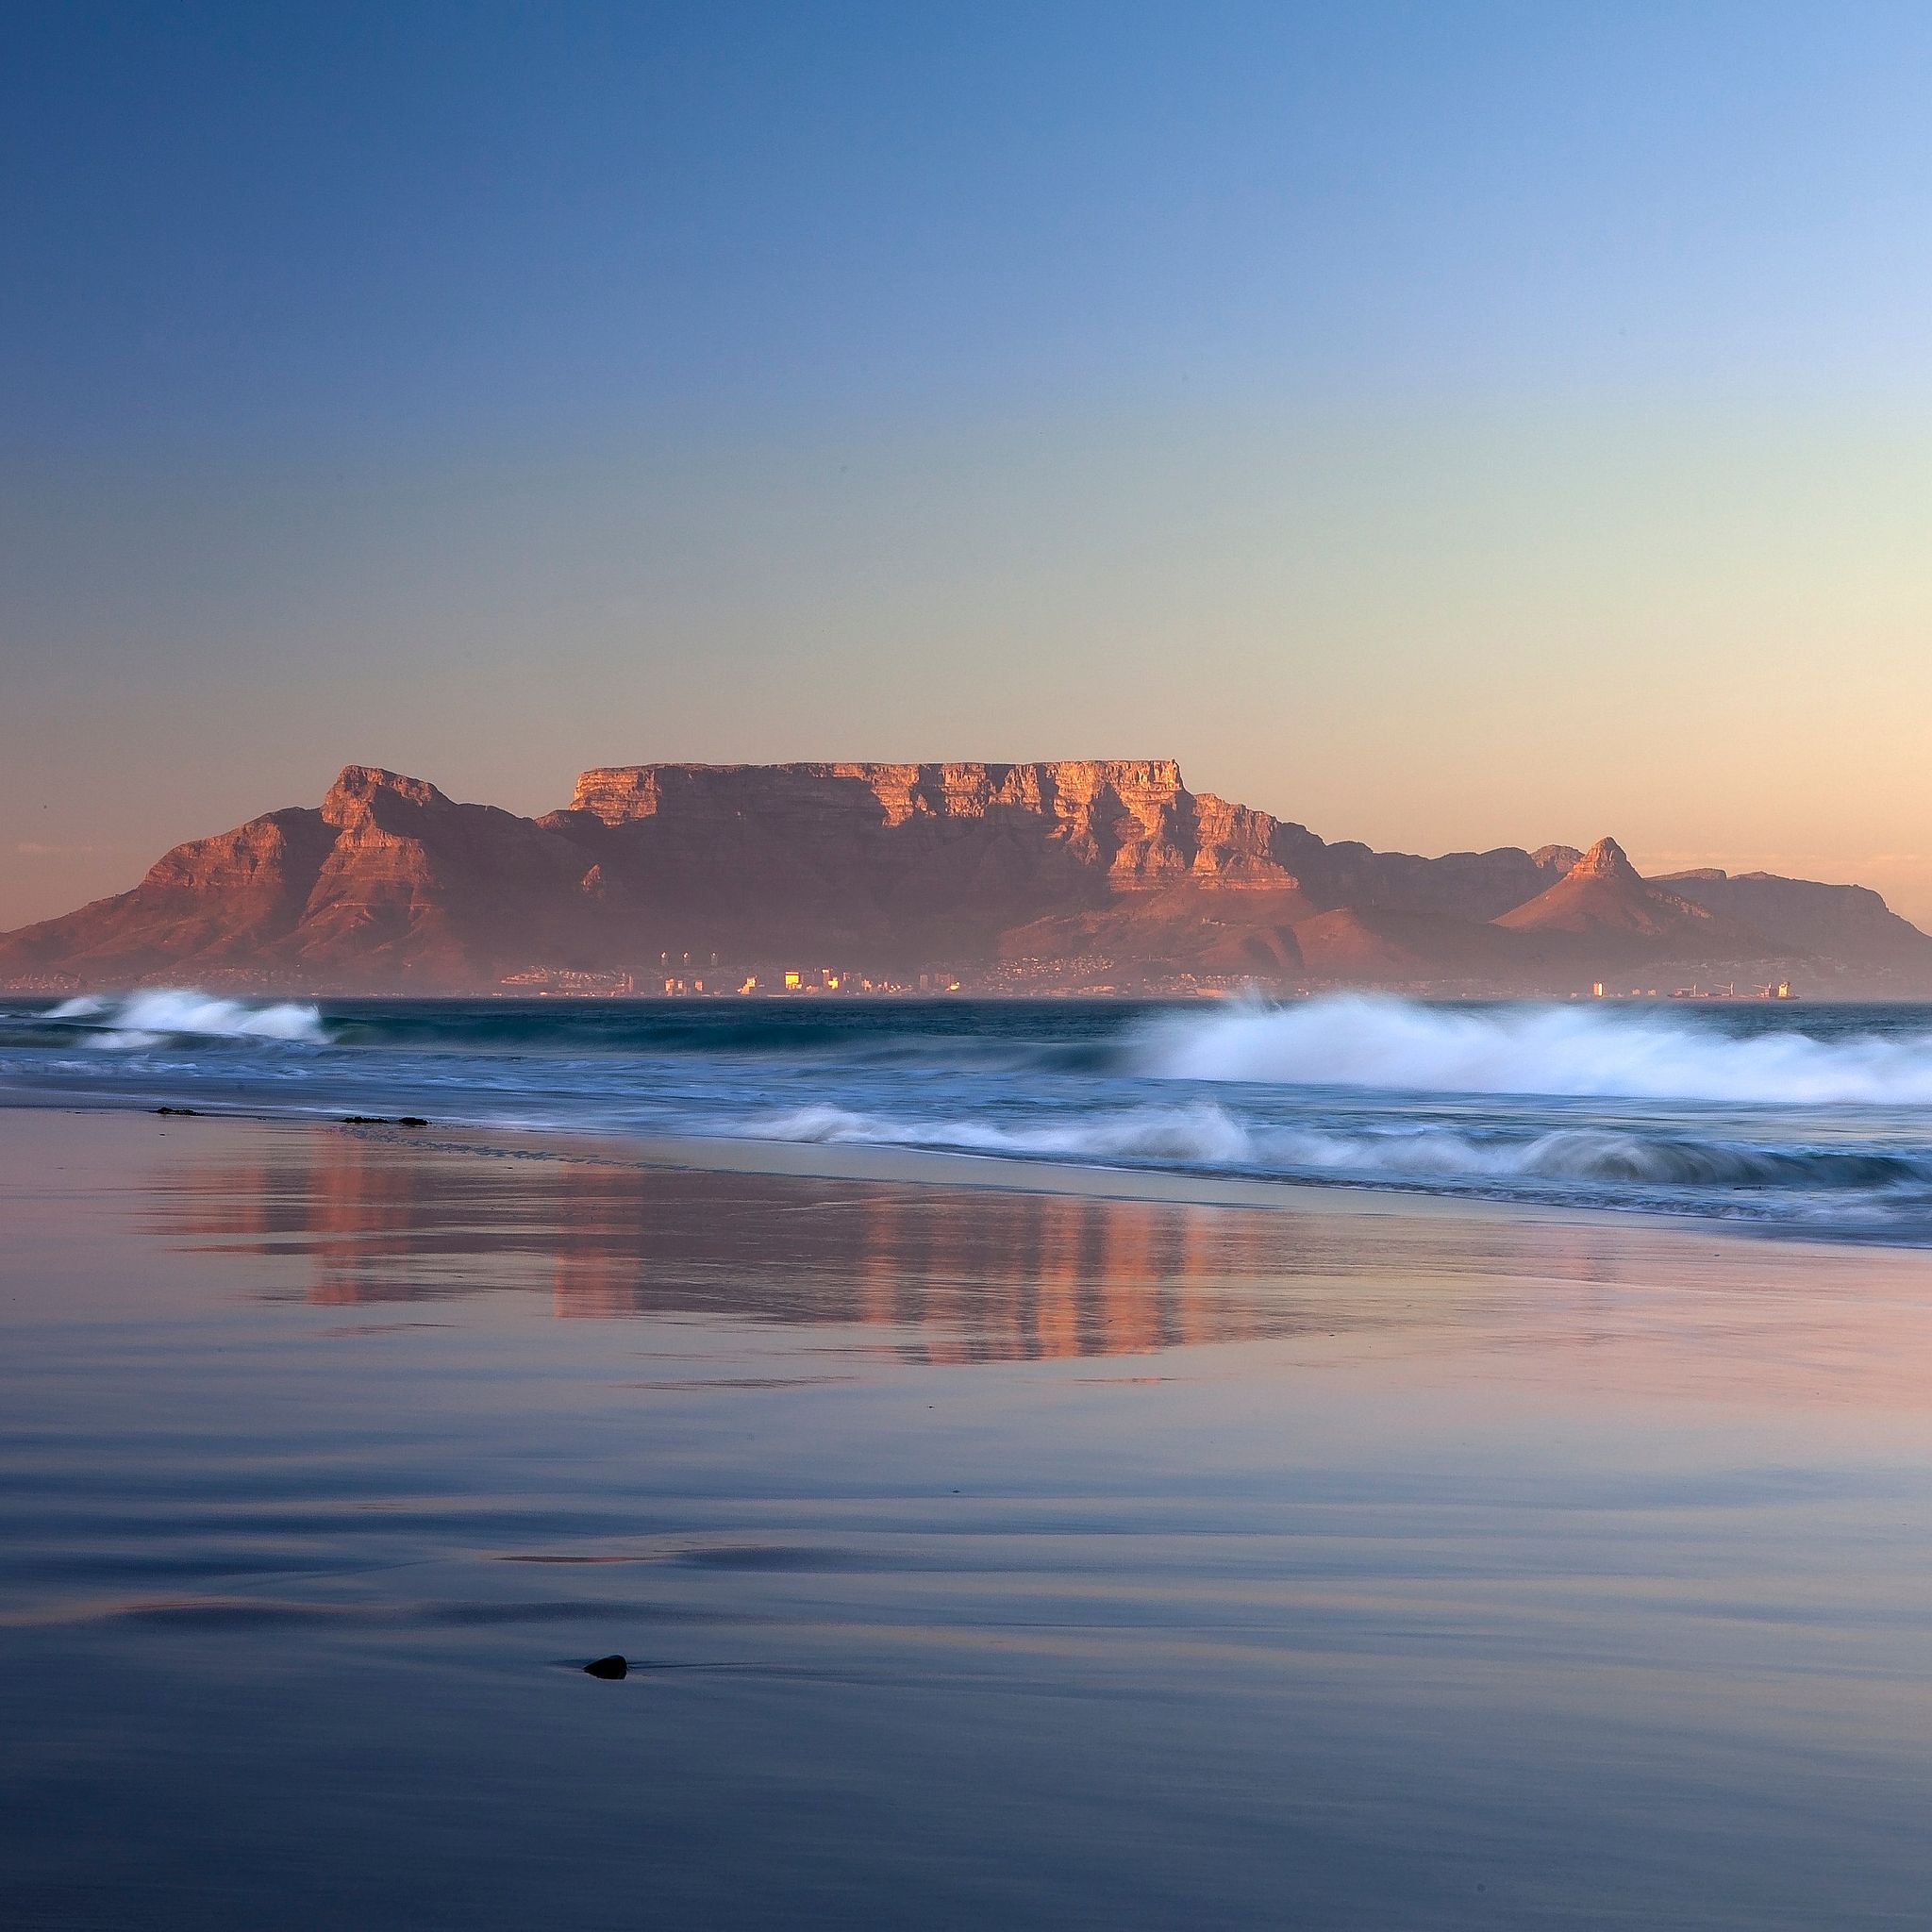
1097, 875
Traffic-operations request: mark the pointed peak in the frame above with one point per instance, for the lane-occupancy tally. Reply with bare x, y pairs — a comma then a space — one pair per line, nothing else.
1606, 860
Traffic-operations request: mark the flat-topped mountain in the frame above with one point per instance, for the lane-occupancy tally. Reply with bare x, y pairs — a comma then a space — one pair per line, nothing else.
1101, 872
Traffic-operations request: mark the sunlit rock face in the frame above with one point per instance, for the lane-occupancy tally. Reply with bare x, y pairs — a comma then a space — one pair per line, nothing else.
1101, 871
1130, 820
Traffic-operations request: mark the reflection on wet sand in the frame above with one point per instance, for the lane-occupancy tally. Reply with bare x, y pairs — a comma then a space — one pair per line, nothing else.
959, 1275
945, 1274
1453, 1570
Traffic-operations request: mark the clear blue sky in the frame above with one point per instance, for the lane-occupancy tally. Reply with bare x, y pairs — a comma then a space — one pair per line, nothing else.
1441, 424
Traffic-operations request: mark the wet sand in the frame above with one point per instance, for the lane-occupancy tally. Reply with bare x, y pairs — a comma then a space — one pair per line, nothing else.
984, 1553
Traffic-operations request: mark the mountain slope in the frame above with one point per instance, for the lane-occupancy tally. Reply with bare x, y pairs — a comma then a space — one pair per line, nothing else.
1096, 870
1604, 903
1851, 922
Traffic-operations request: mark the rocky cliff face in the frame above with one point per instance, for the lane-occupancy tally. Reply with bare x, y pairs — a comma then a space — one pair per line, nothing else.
1102, 824
1125, 823
389, 885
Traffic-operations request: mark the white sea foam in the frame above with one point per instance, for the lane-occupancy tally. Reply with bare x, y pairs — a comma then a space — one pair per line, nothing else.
1208, 1136
144, 1019
1202, 1135
1591, 1052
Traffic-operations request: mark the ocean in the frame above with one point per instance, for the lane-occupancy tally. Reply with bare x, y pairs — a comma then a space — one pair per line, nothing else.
1795, 1118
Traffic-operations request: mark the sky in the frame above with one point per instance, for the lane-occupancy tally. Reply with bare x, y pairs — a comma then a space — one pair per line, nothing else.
1446, 426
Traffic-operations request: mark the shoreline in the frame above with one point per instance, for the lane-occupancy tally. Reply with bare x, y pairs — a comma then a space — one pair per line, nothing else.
809, 1160
922, 1169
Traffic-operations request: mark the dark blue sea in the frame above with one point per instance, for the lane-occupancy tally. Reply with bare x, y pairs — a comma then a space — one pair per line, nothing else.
1803, 1119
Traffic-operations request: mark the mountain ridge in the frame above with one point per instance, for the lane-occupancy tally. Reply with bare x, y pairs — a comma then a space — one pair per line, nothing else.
1054, 875
1604, 899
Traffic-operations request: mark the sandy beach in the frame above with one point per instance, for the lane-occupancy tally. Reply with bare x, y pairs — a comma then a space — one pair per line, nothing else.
982, 1555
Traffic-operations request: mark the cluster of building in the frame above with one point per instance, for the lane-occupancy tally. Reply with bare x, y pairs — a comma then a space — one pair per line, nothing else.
556, 979
683, 980
1781, 989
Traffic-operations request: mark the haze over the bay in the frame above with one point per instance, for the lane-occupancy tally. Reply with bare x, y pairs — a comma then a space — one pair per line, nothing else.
1505, 424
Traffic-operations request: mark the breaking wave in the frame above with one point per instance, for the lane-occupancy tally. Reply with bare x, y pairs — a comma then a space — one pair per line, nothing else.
1207, 1137
146, 1019
1198, 1136
1575, 1052
1809, 1119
